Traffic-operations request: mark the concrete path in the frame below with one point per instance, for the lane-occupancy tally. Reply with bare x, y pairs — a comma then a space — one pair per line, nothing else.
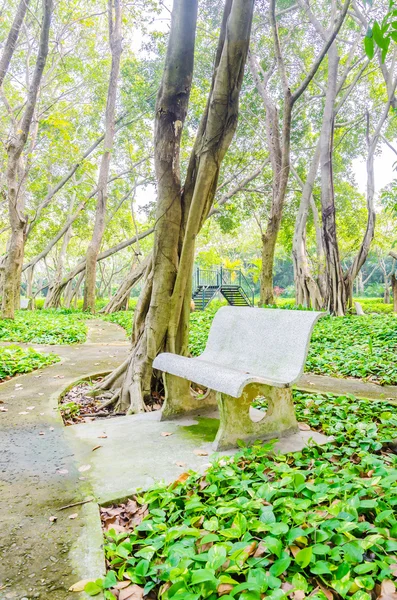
356, 387
139, 450
39, 475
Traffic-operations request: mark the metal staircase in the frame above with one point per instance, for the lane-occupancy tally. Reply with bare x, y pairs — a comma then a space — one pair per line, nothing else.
231, 283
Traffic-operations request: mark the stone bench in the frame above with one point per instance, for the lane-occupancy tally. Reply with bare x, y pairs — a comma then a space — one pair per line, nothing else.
250, 352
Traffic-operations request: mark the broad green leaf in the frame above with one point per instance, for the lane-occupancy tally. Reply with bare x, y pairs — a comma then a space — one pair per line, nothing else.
304, 557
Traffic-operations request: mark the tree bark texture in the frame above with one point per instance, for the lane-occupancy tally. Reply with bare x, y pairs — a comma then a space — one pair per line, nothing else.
307, 289
336, 293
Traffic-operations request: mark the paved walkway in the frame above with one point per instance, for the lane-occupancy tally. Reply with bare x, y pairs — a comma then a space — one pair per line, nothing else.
39, 475
45, 466
356, 387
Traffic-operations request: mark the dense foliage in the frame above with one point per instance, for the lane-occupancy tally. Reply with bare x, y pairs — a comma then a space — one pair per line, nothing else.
261, 525
45, 327
15, 360
354, 346
362, 347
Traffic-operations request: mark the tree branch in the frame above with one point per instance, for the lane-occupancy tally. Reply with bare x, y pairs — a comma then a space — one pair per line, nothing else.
296, 95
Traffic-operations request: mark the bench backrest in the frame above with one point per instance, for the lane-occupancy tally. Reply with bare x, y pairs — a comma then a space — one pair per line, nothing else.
271, 343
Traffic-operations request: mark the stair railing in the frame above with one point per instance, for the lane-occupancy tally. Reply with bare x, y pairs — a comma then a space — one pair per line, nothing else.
206, 278
237, 277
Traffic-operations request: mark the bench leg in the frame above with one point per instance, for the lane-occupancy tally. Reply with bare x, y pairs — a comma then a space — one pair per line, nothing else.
236, 424
179, 400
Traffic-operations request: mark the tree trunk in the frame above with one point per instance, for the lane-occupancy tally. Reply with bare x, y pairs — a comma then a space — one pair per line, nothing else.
336, 291
61, 257
372, 143
120, 300
100, 213
279, 143
386, 295
307, 291
394, 290
16, 202
162, 314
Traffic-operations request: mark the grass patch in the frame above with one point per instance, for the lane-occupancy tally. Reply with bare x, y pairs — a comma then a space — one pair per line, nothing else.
320, 523
15, 361
45, 327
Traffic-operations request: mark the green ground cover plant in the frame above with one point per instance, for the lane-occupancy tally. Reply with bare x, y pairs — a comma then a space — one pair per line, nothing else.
369, 305
15, 361
45, 327
363, 347
351, 346
124, 318
320, 523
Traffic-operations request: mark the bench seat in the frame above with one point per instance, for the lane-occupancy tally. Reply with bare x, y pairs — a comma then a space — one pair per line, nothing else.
211, 374
249, 352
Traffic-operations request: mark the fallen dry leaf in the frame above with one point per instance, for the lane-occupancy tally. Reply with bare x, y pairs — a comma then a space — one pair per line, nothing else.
294, 550
260, 551
96, 448
41, 433
133, 592
3, 409
84, 468
52, 519
181, 479
166, 433
103, 436
387, 590
73, 516
122, 584
79, 586
393, 569
250, 549
199, 452
329, 595
304, 426
300, 595
224, 588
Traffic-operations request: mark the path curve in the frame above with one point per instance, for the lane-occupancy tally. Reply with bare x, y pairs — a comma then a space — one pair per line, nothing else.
39, 473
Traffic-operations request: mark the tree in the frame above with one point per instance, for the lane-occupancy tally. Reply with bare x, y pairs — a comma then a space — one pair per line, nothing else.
114, 18
279, 136
162, 314
16, 201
